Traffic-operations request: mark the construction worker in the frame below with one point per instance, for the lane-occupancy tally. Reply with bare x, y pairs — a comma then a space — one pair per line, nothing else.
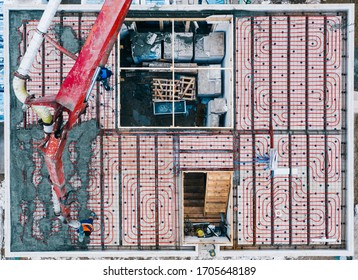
103, 77
86, 227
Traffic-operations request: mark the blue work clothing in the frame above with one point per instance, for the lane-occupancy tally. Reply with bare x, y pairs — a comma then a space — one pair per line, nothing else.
86, 228
104, 74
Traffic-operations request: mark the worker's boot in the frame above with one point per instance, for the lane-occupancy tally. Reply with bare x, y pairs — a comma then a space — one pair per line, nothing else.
81, 237
81, 234
106, 85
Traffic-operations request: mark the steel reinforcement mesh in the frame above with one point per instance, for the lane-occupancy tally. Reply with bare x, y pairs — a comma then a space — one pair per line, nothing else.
290, 91
289, 96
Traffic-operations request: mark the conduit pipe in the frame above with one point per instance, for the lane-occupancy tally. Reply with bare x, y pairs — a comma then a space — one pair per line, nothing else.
22, 74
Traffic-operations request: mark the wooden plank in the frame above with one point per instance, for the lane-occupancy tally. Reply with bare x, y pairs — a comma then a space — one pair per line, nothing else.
163, 89
211, 208
213, 215
222, 199
219, 182
219, 177
218, 185
197, 210
157, 93
217, 189
219, 173
188, 88
217, 192
215, 221
182, 89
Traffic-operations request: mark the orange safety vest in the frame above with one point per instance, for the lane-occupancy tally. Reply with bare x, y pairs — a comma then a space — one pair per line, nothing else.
87, 227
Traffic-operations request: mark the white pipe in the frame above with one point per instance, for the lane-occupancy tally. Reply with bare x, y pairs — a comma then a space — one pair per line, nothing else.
56, 203
19, 81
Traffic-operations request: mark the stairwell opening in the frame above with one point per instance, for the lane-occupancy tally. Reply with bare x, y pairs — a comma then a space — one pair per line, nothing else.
207, 207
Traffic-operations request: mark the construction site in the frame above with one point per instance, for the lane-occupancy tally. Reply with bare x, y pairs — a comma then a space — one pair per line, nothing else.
227, 129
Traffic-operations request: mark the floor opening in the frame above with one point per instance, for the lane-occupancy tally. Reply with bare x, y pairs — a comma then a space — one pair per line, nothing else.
206, 203
176, 73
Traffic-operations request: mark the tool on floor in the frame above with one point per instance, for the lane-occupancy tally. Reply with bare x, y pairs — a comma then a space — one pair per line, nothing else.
212, 252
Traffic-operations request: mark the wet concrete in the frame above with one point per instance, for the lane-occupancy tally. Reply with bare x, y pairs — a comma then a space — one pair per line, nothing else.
68, 38
23, 193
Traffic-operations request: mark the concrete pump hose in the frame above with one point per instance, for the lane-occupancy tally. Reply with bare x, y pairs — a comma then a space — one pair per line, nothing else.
21, 94
19, 83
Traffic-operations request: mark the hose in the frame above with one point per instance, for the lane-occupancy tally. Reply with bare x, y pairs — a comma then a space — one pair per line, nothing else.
22, 74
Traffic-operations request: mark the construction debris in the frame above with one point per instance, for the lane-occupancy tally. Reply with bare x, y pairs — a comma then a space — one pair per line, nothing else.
146, 46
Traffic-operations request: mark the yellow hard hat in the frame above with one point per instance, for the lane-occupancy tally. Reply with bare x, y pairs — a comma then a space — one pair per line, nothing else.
200, 232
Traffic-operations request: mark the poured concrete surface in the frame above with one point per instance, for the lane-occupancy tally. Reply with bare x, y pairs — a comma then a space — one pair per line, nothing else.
34, 225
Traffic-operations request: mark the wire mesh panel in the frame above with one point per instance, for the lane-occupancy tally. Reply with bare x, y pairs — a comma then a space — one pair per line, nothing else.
94, 189
206, 152
149, 195
301, 207
291, 72
290, 85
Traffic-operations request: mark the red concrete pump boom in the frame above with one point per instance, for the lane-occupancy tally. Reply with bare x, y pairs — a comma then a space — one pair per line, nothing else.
75, 89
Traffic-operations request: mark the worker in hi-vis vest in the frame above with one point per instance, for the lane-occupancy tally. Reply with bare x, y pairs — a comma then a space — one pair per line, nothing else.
86, 227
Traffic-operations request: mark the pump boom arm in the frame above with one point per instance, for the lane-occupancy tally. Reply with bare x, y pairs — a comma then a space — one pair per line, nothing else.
71, 98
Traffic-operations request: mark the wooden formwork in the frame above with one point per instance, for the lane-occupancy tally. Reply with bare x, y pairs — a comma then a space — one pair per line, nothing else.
187, 88
166, 89
218, 185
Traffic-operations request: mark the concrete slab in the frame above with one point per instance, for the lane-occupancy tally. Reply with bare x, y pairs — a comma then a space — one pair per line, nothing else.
217, 106
209, 48
213, 120
182, 47
209, 81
